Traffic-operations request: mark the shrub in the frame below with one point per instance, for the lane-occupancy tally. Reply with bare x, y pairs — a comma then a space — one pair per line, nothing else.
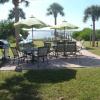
7, 31
97, 34
84, 34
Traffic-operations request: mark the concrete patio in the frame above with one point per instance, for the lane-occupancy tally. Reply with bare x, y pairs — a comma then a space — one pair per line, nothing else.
87, 59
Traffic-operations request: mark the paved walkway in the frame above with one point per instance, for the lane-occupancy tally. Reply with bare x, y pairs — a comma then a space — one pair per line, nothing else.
87, 59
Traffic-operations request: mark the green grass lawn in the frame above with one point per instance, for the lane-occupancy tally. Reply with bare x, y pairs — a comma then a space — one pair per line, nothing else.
38, 43
95, 50
71, 84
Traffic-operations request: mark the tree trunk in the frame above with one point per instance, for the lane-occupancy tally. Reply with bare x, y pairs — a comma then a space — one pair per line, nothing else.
93, 35
55, 32
17, 31
55, 20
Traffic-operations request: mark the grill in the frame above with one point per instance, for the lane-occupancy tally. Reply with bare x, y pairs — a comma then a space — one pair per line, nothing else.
4, 46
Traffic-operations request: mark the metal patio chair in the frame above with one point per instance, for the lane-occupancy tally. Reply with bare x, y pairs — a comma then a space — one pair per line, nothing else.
59, 49
71, 49
40, 55
17, 55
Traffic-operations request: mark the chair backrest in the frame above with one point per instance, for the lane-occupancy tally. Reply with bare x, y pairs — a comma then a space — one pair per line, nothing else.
15, 51
42, 51
71, 47
60, 47
71, 42
47, 45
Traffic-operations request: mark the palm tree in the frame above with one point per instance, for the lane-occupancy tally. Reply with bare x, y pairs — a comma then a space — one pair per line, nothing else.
92, 12
55, 9
16, 8
12, 14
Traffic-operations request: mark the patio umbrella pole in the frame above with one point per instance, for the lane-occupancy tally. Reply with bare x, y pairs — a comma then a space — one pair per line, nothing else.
64, 32
32, 35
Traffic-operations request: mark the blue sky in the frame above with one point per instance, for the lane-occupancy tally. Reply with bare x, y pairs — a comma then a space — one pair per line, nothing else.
74, 11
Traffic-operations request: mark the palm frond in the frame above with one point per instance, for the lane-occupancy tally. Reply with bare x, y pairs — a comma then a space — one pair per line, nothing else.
93, 12
55, 9
3, 1
85, 18
26, 2
12, 14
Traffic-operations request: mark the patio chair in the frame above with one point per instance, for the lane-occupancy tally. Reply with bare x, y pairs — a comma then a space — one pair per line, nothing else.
59, 49
50, 49
47, 45
71, 49
41, 54
17, 55
27, 51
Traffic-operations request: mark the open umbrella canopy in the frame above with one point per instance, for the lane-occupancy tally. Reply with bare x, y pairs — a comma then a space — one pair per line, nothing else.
30, 23
64, 25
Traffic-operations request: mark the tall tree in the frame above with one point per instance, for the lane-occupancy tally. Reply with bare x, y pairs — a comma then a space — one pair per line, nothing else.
12, 14
92, 12
55, 9
16, 7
